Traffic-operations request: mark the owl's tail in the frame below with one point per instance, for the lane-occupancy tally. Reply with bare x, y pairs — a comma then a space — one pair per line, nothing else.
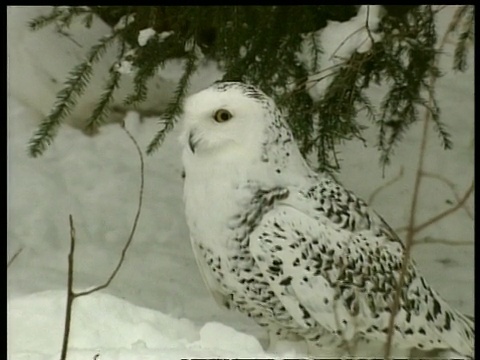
465, 325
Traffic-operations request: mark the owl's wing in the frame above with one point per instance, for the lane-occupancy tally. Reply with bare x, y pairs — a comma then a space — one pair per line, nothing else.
337, 266
210, 282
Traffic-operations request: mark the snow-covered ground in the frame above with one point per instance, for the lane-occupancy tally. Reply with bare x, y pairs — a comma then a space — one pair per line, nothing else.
157, 307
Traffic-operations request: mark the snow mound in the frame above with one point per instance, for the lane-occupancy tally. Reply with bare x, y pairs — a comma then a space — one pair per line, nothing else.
339, 41
115, 329
218, 336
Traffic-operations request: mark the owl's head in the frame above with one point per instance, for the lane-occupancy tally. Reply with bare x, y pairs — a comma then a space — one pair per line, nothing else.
237, 122
228, 116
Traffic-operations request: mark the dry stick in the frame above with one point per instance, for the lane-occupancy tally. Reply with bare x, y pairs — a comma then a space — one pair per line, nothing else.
343, 42
452, 187
409, 238
134, 227
430, 240
446, 212
14, 257
72, 295
438, 217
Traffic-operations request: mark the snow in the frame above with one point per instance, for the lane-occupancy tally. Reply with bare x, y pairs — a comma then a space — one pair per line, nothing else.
157, 307
339, 40
111, 327
145, 35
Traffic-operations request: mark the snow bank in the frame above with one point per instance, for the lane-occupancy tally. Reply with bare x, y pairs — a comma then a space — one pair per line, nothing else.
338, 41
115, 329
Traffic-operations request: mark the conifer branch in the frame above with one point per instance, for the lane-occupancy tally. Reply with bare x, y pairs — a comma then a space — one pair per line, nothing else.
60, 16
174, 108
466, 15
67, 98
102, 109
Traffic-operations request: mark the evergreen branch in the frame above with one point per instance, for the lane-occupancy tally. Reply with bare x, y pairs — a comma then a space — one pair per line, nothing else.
41, 21
62, 16
175, 107
465, 38
102, 109
87, 20
140, 85
67, 98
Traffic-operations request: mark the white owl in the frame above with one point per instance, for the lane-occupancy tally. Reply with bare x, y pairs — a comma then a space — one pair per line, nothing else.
292, 248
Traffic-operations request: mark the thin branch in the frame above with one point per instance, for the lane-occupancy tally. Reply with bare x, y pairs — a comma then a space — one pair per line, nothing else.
460, 204
451, 185
14, 257
343, 43
447, 212
430, 240
134, 227
70, 294
387, 184
409, 238
411, 228
439, 8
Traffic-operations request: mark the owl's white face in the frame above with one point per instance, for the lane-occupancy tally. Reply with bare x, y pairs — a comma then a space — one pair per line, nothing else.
223, 121
235, 131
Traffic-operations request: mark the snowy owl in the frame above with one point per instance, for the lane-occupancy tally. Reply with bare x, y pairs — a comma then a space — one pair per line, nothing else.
293, 249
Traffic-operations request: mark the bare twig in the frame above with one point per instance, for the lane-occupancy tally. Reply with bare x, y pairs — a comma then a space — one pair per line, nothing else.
409, 238
71, 294
134, 227
14, 257
451, 185
447, 212
430, 240
460, 204
411, 227
343, 43
384, 186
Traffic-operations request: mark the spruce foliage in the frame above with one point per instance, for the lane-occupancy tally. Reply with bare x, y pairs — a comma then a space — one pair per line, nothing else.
259, 45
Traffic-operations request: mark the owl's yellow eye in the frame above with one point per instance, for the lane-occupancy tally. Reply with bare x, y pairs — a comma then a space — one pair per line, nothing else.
222, 115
